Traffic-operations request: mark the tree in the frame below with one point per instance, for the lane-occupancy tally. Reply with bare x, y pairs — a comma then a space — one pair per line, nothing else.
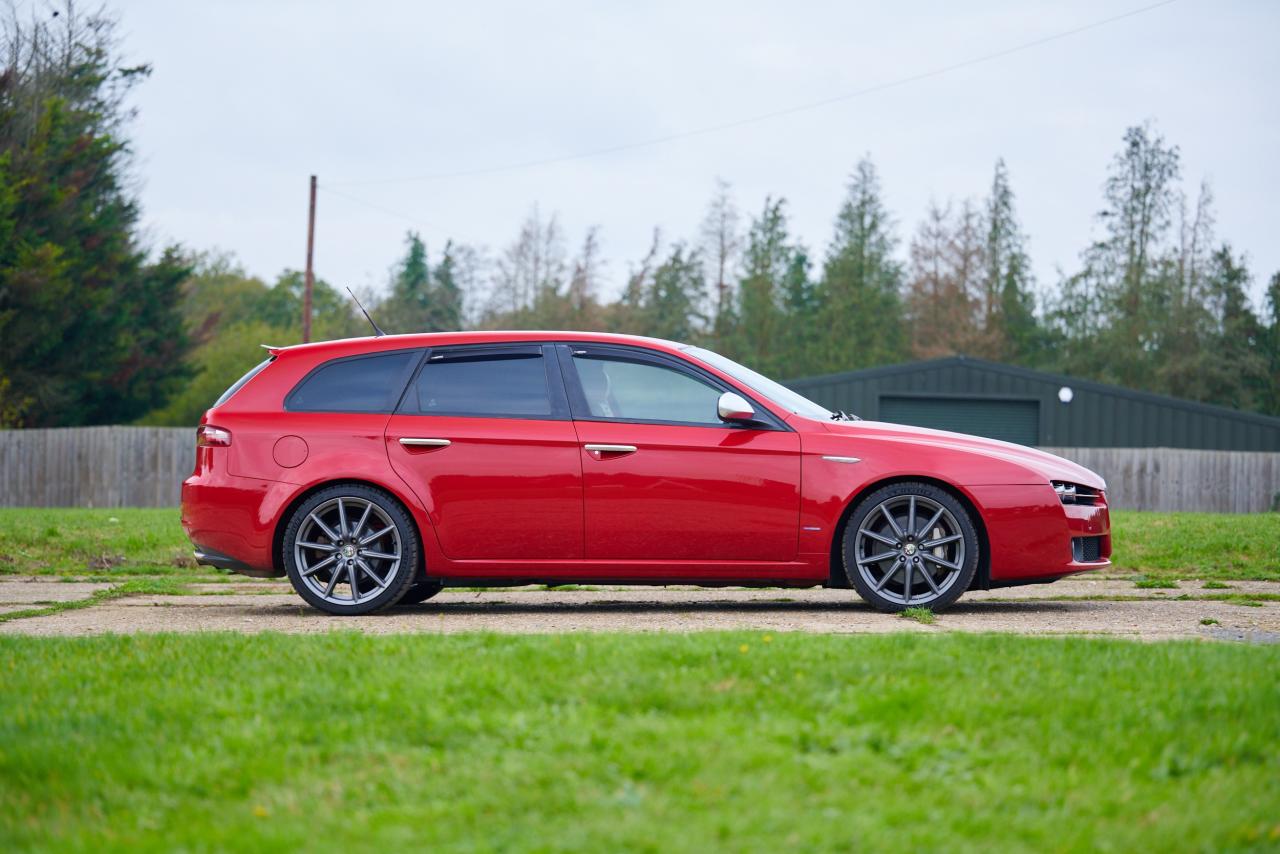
92, 328
720, 247
860, 291
1269, 348
1110, 311
776, 298
1011, 331
940, 306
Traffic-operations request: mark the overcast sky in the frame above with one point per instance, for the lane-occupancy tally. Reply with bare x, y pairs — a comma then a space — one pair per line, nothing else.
248, 98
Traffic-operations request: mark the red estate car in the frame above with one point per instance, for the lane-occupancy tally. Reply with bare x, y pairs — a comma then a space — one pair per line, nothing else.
376, 471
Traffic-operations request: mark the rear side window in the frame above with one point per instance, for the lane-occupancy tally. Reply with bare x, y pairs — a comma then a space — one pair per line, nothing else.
239, 384
362, 384
510, 385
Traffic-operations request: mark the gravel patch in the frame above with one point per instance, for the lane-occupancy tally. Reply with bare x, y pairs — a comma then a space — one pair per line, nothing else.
259, 607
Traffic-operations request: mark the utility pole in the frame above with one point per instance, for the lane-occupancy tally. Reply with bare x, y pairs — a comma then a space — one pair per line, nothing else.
309, 279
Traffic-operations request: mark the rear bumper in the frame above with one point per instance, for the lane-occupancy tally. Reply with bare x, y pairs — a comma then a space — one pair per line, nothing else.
231, 521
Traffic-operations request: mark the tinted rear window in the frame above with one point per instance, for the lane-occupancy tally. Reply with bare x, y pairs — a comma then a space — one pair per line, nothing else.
239, 384
362, 384
511, 385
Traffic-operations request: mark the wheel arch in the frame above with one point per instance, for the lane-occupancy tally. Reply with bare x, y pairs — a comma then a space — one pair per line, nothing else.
282, 520
981, 578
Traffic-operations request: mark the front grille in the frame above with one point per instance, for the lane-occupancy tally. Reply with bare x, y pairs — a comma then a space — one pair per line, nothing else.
1086, 549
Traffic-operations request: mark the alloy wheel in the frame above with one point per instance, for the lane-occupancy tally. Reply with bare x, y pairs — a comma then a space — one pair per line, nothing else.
347, 551
910, 550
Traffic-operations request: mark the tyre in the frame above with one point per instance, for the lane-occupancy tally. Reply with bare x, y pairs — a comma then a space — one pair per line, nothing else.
351, 549
910, 545
421, 592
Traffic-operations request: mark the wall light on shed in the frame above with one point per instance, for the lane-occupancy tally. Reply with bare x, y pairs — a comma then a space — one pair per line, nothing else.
1065, 394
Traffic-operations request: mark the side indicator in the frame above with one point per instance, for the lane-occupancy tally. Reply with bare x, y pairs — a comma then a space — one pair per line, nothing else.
842, 459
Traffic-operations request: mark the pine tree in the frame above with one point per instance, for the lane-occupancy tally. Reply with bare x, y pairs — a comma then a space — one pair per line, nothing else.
860, 292
92, 330
1010, 327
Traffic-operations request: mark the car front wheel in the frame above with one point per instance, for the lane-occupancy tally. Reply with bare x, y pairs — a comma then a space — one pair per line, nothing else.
351, 549
910, 545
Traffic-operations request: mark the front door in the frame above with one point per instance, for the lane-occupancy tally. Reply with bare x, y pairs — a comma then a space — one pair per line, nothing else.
484, 439
664, 479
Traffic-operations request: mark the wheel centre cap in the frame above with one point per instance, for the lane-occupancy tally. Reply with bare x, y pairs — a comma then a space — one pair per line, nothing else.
348, 551
910, 548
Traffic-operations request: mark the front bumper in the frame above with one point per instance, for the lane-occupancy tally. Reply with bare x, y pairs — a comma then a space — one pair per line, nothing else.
1032, 535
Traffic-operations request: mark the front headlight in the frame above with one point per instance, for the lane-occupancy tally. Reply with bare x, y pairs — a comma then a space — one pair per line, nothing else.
1073, 493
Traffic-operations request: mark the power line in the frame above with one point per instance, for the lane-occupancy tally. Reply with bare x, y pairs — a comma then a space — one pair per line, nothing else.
761, 117
422, 224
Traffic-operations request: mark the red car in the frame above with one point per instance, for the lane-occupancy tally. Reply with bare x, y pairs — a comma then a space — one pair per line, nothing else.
376, 471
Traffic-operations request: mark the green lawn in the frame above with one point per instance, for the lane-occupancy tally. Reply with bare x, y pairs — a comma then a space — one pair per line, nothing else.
150, 542
698, 742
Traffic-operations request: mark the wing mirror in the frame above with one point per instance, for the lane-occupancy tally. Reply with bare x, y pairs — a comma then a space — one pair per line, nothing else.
733, 407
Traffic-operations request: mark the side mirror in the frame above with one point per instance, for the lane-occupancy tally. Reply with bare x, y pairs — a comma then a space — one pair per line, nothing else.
733, 407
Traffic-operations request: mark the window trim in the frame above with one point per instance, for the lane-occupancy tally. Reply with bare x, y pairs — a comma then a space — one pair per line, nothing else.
765, 418
555, 382
393, 395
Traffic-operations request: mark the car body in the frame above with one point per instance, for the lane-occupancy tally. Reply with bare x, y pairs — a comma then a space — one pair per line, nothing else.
555, 457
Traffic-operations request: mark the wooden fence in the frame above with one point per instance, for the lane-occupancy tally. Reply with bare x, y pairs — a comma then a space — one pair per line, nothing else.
144, 467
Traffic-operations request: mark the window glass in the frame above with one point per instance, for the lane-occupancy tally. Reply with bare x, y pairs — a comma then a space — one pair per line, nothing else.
645, 392
512, 385
239, 384
366, 384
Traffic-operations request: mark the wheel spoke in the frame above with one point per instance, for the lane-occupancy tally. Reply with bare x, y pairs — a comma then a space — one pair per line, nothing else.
888, 541
941, 541
928, 525
382, 582
379, 555
928, 579
893, 523
342, 518
940, 562
378, 535
893, 570
364, 517
911, 516
906, 587
328, 532
311, 570
333, 582
877, 558
351, 579
320, 547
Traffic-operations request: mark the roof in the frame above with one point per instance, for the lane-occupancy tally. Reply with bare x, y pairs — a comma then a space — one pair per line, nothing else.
374, 343
1027, 373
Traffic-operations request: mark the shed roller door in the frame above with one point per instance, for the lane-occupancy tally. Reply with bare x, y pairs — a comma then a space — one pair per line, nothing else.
1009, 420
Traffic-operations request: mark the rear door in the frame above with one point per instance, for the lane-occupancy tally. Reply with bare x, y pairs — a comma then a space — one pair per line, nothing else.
483, 437
663, 477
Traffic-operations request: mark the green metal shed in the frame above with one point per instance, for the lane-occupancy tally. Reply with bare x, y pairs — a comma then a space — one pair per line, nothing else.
1036, 408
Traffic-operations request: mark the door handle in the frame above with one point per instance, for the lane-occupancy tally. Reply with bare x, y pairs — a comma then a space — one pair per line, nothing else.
611, 449
412, 442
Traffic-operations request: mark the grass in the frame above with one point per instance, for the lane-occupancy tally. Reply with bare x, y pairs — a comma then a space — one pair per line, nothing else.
1222, 546
636, 742
86, 542
1159, 547
1155, 583
924, 616
134, 587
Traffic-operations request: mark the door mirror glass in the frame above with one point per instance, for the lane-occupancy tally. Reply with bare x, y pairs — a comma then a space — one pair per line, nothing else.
733, 407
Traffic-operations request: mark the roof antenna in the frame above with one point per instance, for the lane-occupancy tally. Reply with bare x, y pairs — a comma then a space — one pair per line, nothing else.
377, 330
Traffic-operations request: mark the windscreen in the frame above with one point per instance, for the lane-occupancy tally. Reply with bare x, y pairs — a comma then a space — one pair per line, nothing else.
762, 385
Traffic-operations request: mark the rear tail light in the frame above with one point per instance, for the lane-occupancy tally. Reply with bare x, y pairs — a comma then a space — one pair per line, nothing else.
212, 437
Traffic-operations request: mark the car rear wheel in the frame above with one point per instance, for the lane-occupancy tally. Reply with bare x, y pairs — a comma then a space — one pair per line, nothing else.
910, 545
351, 549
